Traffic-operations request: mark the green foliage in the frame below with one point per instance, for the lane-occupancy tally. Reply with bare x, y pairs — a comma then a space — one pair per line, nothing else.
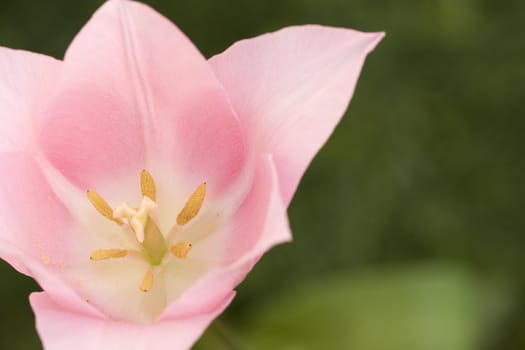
412, 309
17, 331
431, 307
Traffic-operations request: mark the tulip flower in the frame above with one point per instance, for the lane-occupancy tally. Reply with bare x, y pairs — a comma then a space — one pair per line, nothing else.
141, 182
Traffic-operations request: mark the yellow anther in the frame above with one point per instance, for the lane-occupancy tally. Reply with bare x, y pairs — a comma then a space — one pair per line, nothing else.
192, 206
103, 254
102, 206
181, 250
147, 185
147, 282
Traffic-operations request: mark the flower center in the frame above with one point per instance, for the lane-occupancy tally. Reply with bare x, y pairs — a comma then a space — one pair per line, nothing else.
153, 244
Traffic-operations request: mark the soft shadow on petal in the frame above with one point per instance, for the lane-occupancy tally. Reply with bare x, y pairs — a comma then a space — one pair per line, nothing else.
259, 224
291, 87
56, 287
31, 216
23, 77
36, 230
112, 286
135, 92
261, 221
61, 329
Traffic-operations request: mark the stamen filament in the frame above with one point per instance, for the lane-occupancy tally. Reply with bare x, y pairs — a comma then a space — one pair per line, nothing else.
147, 282
193, 205
102, 206
103, 254
147, 185
181, 250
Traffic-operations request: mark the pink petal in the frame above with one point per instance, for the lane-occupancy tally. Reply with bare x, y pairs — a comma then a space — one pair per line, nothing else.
36, 230
261, 221
259, 224
32, 217
49, 280
135, 91
62, 329
290, 89
23, 77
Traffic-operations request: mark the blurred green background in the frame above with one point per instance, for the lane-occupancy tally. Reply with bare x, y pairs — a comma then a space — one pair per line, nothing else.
409, 225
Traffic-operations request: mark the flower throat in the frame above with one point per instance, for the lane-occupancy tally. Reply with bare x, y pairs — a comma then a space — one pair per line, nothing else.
154, 246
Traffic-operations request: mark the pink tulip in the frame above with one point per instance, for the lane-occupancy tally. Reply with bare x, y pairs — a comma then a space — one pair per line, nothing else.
189, 165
